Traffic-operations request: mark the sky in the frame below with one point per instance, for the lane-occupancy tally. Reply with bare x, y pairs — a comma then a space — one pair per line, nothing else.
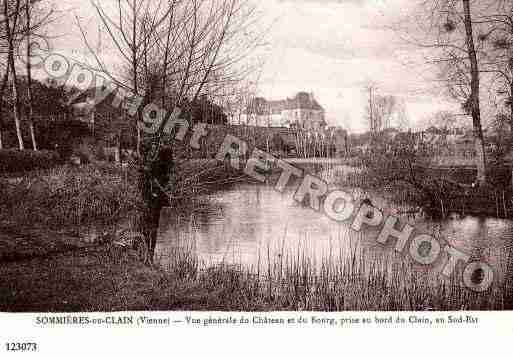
332, 48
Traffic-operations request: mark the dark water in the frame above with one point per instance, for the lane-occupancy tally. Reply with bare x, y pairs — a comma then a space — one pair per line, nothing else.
250, 224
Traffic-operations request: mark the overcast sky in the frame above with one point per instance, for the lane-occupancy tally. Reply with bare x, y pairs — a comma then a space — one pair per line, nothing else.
331, 48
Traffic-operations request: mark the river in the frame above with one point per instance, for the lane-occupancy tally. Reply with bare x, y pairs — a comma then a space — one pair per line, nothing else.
252, 225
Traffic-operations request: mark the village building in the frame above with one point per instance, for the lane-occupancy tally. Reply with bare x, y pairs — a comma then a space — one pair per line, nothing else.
302, 111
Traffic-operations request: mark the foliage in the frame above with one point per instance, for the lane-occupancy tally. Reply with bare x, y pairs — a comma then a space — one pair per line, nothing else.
68, 196
402, 167
110, 279
204, 110
62, 135
293, 281
16, 161
49, 99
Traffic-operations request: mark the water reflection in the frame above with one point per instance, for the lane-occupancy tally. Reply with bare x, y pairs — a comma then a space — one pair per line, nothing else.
247, 224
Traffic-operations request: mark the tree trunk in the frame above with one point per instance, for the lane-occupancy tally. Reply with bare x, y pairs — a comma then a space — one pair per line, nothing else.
5, 79
10, 55
29, 83
16, 105
155, 175
139, 137
117, 153
510, 122
474, 97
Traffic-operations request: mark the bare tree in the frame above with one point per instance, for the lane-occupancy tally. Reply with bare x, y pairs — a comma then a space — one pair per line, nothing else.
474, 95
374, 126
402, 118
381, 109
173, 51
21, 20
441, 119
36, 19
497, 38
30, 115
452, 33
12, 12
3, 85
5, 77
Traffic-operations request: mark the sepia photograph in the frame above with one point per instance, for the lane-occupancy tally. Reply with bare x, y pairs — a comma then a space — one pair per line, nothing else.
244, 156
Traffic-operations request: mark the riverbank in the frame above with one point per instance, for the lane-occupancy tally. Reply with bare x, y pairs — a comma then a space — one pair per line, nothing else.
67, 197
56, 269
106, 277
436, 192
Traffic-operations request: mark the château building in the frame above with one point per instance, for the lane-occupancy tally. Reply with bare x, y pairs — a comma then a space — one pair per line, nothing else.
301, 111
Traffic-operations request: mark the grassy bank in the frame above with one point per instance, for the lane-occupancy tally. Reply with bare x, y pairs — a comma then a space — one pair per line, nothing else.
50, 269
69, 207
66, 196
108, 278
70, 196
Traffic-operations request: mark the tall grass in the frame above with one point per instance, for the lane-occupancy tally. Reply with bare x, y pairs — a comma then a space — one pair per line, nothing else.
346, 281
288, 280
294, 279
67, 196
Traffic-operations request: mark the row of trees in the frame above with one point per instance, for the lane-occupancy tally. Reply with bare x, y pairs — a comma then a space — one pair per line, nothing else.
20, 22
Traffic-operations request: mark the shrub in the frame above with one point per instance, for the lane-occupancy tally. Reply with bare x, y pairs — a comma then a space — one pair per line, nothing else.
68, 196
12, 160
85, 151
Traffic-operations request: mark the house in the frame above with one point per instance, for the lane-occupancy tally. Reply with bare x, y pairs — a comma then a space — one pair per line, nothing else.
104, 118
302, 111
108, 121
205, 110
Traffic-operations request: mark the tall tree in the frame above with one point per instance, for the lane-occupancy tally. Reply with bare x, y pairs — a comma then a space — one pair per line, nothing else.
5, 77
11, 17
474, 102
497, 54
172, 52
381, 110
450, 31
20, 22
30, 115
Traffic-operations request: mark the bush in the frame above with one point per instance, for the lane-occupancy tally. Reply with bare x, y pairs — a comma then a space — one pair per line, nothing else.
62, 136
68, 196
12, 160
85, 151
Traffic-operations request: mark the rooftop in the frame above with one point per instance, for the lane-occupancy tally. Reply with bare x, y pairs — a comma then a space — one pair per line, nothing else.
302, 100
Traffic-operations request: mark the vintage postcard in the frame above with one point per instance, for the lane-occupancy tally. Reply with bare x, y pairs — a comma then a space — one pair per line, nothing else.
314, 175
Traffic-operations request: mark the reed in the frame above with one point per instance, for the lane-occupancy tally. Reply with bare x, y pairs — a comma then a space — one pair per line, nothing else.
345, 281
